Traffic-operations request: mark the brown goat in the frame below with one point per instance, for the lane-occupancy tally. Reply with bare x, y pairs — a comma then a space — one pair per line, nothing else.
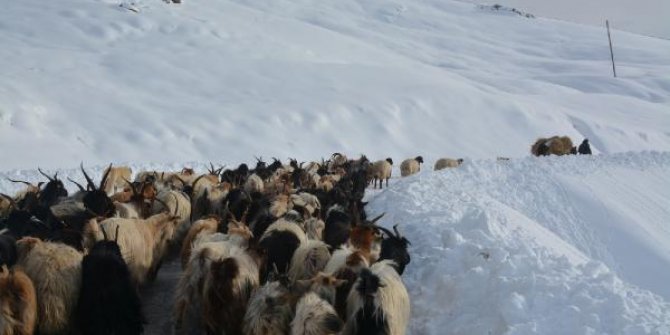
18, 304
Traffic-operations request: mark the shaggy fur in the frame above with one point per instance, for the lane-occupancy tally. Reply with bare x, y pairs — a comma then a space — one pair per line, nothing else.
280, 241
254, 183
55, 270
345, 264
7, 250
108, 301
269, 311
337, 227
378, 303
314, 316
205, 227
410, 166
179, 202
444, 163
380, 171
554, 145
310, 258
314, 227
226, 292
116, 180
307, 201
279, 205
143, 243
18, 305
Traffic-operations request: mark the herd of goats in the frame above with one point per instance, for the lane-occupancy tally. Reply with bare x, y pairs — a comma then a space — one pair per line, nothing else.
277, 249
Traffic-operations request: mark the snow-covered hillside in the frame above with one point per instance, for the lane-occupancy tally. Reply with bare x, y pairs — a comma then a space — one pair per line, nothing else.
563, 245
226, 79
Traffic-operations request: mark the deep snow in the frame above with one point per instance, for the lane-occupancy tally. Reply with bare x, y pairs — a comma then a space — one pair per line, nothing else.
228, 79
550, 245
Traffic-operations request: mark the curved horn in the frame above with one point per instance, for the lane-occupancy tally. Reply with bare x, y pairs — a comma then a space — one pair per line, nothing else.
197, 180
179, 178
89, 181
116, 237
162, 203
211, 168
104, 177
81, 188
386, 231
377, 218
44, 174
176, 204
132, 186
20, 181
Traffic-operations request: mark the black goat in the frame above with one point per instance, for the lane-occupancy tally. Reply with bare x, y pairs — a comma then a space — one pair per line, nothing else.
108, 301
7, 250
394, 247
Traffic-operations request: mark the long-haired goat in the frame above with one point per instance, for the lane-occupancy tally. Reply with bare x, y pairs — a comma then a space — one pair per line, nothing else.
280, 241
55, 270
310, 258
315, 316
378, 303
18, 304
394, 247
115, 178
108, 300
269, 311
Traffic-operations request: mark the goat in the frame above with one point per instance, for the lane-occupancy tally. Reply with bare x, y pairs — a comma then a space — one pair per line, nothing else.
18, 304
315, 316
269, 310
310, 258
115, 178
254, 183
411, 166
55, 270
337, 227
345, 264
380, 170
108, 300
314, 227
202, 226
554, 145
7, 250
143, 243
444, 163
378, 303
226, 291
280, 241
394, 247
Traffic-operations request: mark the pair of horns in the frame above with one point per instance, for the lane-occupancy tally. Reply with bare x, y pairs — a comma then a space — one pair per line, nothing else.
116, 237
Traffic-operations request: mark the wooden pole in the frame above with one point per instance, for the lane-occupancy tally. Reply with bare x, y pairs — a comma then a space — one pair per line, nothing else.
607, 23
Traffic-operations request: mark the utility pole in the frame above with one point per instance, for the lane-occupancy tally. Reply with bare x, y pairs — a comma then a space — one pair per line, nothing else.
607, 23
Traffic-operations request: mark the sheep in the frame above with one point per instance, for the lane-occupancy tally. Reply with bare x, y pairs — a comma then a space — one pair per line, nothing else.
7, 250
554, 145
115, 179
269, 311
226, 291
411, 166
18, 304
310, 258
315, 316
380, 170
108, 301
394, 247
55, 270
584, 148
444, 163
254, 183
280, 241
143, 243
378, 303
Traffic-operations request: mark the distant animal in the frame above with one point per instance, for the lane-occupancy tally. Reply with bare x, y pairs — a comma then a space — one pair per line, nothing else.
380, 171
584, 148
411, 166
555, 145
444, 163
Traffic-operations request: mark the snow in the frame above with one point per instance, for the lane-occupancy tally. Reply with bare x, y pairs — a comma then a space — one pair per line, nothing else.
226, 80
559, 245
556, 245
